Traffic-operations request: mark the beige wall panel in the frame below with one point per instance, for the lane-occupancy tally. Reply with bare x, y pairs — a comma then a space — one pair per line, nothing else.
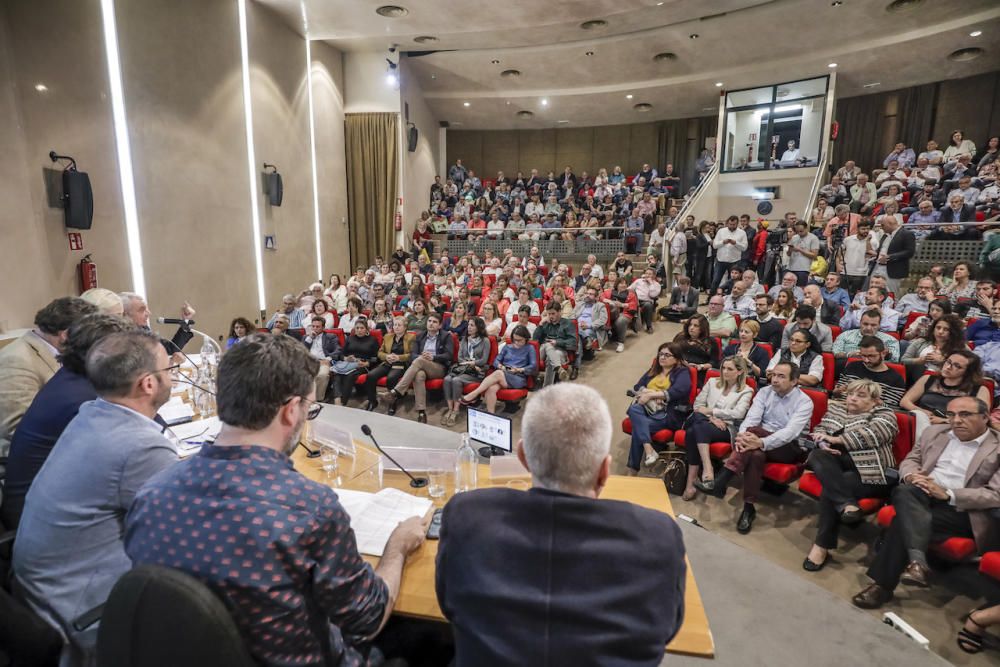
537, 151
331, 170
963, 104
73, 117
611, 147
500, 152
467, 146
421, 165
574, 147
182, 78
643, 141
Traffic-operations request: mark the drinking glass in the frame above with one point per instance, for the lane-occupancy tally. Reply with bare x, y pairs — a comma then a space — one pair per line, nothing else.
438, 479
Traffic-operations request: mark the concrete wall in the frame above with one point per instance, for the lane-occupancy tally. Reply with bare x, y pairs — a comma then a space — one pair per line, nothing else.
181, 72
420, 166
364, 83
734, 190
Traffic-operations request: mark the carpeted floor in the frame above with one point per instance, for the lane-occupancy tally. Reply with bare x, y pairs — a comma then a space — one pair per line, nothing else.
785, 525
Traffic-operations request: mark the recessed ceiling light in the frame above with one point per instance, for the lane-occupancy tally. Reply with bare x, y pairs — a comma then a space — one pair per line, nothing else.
434, 76
507, 102
562, 122
832, 65
836, 3
975, 33
524, 113
596, 24
456, 122
903, 5
659, 4
718, 84
664, 57
872, 84
589, 53
392, 11
642, 107
425, 39
965, 55
693, 35
495, 61
466, 104
629, 96
708, 108
545, 103
41, 87
510, 73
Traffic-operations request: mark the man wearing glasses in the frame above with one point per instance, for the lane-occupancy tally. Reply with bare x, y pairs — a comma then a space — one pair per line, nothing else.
275, 546
949, 483
70, 550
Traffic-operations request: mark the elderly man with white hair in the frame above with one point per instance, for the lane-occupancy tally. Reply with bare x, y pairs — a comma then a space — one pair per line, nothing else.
510, 563
134, 308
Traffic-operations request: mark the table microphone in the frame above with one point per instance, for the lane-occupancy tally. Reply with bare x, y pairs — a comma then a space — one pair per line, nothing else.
174, 320
415, 482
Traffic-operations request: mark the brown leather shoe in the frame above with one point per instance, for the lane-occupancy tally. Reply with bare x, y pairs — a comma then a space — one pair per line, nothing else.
916, 574
872, 597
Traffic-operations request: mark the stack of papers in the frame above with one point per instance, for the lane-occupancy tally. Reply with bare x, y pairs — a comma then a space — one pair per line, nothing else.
176, 411
191, 436
375, 515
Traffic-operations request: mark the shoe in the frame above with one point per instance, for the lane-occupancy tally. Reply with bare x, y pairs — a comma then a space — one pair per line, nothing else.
852, 517
446, 420
916, 574
466, 402
574, 374
651, 459
872, 597
649, 330
370, 406
710, 488
422, 416
810, 566
974, 642
620, 348
563, 374
745, 522
393, 400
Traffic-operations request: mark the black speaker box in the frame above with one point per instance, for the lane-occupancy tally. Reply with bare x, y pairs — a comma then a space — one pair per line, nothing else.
275, 188
412, 137
78, 199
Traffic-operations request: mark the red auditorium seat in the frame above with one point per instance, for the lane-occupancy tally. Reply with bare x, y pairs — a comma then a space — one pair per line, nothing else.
518, 395
953, 548
786, 473
834, 331
911, 318
829, 372
810, 485
990, 565
664, 436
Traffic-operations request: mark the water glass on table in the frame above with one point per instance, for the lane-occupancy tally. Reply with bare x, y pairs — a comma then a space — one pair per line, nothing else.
329, 457
438, 482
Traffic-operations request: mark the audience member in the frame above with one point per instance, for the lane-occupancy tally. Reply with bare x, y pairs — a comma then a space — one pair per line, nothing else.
729, 243
394, 356
239, 329
746, 347
698, 349
946, 337
647, 291
556, 338
921, 326
739, 302
788, 282
69, 550
961, 375
434, 352
918, 301
803, 350
829, 311
683, 301
961, 286
875, 299
771, 328
872, 367
848, 342
359, 353
720, 323
662, 401
805, 319
514, 364
325, 347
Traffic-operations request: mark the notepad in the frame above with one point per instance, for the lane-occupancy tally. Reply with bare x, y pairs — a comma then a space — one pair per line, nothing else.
375, 515
176, 411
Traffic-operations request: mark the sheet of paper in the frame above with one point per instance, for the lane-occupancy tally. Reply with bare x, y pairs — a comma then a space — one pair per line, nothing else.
375, 515
199, 432
176, 411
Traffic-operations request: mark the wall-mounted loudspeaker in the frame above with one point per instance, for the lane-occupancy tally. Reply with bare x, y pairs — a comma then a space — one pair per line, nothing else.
273, 186
77, 196
412, 135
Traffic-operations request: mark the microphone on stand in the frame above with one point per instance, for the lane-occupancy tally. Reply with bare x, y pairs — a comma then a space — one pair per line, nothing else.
184, 324
415, 482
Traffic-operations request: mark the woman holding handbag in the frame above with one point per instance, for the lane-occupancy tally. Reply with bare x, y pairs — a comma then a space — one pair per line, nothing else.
473, 358
359, 352
720, 406
662, 400
394, 357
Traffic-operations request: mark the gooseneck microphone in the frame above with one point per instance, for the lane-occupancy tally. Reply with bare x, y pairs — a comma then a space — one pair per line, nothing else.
174, 320
415, 482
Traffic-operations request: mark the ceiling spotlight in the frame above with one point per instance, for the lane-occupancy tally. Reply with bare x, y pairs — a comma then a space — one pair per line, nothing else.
391, 77
524, 113
975, 33
495, 61
965, 55
392, 11
434, 76
507, 102
718, 84
629, 96
665, 56
41, 87
589, 53
708, 109
642, 107
872, 84
659, 4
510, 73
832, 65
693, 35
594, 25
466, 104
425, 39
836, 3
545, 102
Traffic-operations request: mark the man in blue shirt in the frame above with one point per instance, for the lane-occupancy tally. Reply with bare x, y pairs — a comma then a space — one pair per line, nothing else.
832, 291
984, 330
69, 550
275, 546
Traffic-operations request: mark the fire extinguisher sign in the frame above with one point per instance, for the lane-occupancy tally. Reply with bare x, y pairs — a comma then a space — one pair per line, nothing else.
75, 241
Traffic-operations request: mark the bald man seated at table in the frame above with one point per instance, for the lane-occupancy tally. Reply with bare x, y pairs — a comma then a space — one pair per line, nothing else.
553, 575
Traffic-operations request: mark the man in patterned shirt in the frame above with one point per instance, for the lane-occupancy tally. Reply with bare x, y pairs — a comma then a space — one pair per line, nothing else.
276, 547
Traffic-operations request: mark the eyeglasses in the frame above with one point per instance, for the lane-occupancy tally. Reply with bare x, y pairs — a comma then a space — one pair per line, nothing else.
963, 415
314, 407
949, 362
665, 354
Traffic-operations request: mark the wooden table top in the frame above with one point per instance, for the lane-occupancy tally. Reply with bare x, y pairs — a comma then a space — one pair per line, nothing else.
417, 596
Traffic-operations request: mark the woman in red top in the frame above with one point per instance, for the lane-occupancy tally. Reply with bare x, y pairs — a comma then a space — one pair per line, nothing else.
422, 237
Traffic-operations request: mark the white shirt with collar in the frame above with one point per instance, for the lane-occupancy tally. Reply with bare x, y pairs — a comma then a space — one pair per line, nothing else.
953, 464
41, 339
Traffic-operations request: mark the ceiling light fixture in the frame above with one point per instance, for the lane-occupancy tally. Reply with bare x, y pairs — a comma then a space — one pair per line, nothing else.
975, 33
41, 87
718, 84
545, 102
562, 122
664, 57
629, 96
495, 61
693, 35
391, 75
466, 104
596, 24
643, 107
425, 39
317, 223
708, 108
965, 55
510, 73
872, 84
836, 3
832, 65
524, 113
392, 11
589, 53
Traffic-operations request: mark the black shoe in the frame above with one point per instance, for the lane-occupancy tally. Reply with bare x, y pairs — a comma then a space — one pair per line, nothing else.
421, 416
810, 566
745, 522
393, 400
852, 518
573, 374
370, 406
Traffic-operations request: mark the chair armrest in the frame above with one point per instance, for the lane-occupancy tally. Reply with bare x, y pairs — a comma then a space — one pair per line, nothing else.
88, 618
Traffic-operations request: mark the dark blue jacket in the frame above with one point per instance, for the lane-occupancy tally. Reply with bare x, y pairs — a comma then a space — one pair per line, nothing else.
53, 408
982, 331
540, 578
679, 393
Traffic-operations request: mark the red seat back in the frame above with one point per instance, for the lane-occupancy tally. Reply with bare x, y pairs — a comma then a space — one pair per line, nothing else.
829, 371
819, 400
834, 331
911, 318
340, 336
493, 350
905, 437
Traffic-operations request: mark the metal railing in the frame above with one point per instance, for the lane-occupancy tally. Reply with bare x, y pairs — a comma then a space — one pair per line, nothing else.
689, 204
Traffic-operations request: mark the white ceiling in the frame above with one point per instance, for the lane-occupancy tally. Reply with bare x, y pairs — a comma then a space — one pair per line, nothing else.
741, 43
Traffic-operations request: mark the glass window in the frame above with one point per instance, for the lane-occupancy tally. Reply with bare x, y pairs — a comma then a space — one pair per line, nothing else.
750, 97
799, 89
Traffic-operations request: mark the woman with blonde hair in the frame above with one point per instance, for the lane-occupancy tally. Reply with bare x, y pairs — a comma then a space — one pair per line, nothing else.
720, 406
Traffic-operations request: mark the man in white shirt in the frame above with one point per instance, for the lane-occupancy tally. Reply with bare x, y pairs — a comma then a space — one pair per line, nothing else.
803, 248
595, 268
933, 155
739, 302
729, 243
875, 297
779, 414
792, 156
754, 287
949, 483
656, 240
788, 282
647, 291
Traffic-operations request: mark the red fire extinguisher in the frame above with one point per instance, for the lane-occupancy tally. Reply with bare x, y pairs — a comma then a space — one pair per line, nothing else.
88, 274
399, 215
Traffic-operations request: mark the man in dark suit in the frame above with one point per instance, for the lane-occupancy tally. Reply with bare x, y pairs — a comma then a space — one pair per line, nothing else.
325, 347
956, 211
771, 328
554, 575
895, 249
683, 301
432, 356
949, 483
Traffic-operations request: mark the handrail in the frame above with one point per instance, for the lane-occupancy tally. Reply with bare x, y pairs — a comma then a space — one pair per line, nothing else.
689, 203
814, 189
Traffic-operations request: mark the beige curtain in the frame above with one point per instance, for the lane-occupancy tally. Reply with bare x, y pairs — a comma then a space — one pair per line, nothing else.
372, 152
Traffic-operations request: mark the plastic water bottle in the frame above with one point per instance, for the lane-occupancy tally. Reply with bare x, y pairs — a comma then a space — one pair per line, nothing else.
466, 466
205, 400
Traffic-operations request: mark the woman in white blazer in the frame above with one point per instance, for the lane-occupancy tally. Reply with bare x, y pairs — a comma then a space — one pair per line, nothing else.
719, 408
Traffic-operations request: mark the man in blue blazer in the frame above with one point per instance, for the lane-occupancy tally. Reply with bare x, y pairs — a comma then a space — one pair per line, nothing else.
554, 576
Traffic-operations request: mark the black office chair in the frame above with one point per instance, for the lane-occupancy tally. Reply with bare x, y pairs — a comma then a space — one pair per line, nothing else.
160, 617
